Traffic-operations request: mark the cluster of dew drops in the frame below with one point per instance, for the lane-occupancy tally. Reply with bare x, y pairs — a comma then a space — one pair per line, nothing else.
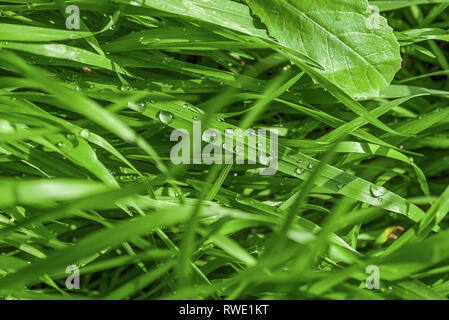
166, 118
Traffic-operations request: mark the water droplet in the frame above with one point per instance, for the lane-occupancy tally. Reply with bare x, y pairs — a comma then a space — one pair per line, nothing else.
124, 88
229, 131
142, 107
195, 118
299, 171
165, 117
220, 120
85, 133
264, 160
60, 144
185, 106
341, 186
311, 166
377, 191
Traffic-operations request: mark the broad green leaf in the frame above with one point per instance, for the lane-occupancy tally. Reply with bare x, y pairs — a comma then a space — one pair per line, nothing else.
359, 58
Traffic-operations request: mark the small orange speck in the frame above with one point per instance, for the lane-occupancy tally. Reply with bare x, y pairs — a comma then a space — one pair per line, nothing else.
393, 233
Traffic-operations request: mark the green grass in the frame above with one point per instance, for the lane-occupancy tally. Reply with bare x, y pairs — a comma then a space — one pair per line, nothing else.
85, 171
